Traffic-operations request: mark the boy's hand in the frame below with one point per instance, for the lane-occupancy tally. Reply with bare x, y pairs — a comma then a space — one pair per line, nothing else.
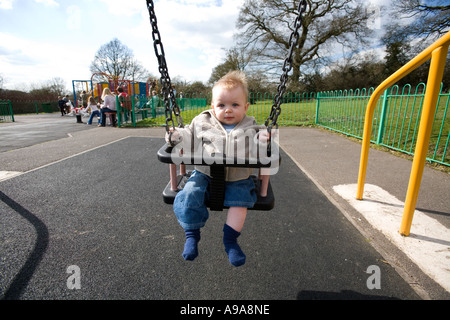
175, 136
264, 136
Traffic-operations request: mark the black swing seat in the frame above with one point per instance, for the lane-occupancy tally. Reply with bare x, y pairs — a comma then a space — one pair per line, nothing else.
217, 185
263, 203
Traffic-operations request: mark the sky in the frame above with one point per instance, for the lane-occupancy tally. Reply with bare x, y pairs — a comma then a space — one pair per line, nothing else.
44, 39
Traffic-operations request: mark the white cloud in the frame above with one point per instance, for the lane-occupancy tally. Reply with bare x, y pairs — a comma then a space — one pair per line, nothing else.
121, 8
73, 21
195, 35
6, 4
30, 61
47, 2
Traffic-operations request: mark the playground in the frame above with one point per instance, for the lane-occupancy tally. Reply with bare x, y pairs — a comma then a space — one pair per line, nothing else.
129, 246
100, 81
85, 217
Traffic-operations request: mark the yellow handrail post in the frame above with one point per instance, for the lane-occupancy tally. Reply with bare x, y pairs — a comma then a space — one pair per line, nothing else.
365, 147
437, 52
435, 75
400, 73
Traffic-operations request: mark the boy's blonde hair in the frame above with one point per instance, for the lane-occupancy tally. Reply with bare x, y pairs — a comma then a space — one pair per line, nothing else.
232, 80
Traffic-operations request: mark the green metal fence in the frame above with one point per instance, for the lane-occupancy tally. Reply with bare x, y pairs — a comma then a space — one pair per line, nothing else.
343, 111
395, 124
396, 119
33, 106
6, 112
399, 127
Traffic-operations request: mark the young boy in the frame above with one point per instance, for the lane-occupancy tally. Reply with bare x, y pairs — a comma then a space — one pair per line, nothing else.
222, 130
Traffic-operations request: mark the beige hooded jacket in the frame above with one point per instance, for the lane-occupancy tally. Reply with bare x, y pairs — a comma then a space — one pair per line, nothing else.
207, 139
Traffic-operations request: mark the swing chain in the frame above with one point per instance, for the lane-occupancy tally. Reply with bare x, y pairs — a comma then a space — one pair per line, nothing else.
287, 66
170, 103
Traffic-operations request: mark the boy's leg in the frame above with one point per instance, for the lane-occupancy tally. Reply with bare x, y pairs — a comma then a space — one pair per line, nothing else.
231, 231
192, 214
236, 218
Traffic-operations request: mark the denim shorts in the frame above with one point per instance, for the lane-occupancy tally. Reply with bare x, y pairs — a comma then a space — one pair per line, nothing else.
189, 204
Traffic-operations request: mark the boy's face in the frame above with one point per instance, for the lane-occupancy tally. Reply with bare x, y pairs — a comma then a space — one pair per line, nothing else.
229, 105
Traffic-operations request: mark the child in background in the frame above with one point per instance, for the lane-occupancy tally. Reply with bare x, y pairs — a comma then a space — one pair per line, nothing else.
125, 102
94, 110
217, 130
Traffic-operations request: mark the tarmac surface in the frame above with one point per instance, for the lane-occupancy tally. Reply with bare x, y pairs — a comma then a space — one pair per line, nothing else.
78, 198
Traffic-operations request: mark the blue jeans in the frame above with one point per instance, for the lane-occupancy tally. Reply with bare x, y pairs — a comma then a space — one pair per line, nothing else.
189, 204
93, 113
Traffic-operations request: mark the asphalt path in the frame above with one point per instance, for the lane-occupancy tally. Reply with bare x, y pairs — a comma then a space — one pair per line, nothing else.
30, 130
101, 213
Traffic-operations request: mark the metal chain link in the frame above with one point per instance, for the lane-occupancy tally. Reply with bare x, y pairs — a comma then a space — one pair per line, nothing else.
170, 102
287, 66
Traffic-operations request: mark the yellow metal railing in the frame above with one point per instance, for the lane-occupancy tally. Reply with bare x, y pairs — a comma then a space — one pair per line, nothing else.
437, 52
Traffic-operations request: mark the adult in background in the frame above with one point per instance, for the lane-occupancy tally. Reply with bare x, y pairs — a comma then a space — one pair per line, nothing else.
109, 106
66, 103
62, 105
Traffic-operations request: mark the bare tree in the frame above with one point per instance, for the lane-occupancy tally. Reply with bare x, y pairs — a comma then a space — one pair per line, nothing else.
57, 86
236, 59
327, 26
48, 89
137, 72
427, 18
117, 60
414, 25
